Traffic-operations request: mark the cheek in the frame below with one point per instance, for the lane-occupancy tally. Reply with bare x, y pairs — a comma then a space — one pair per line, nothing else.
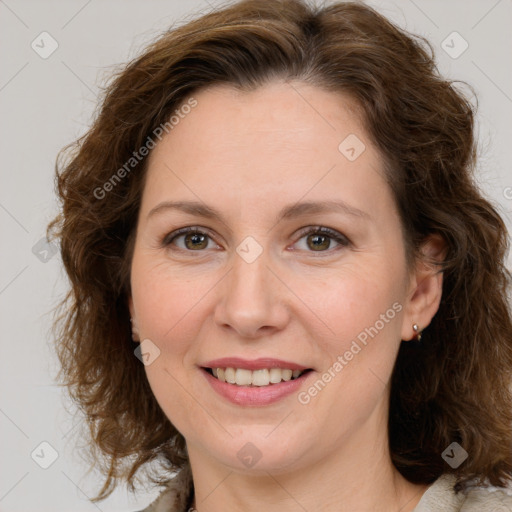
353, 302
363, 313
166, 303
168, 309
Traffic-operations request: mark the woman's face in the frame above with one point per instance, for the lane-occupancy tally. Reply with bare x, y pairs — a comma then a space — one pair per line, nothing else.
296, 261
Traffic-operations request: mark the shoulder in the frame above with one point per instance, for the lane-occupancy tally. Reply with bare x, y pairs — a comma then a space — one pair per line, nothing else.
441, 497
176, 495
483, 499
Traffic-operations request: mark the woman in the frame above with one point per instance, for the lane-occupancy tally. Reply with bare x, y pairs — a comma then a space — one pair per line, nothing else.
280, 201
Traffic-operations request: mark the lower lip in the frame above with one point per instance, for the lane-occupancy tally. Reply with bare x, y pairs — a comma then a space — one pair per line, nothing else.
255, 395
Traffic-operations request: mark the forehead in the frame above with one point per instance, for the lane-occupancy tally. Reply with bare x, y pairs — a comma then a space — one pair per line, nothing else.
282, 140
280, 117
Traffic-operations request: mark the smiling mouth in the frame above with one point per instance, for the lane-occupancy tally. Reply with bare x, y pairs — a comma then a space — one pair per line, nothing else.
255, 378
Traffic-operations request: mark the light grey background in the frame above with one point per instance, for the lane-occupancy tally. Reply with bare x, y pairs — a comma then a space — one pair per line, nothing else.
47, 103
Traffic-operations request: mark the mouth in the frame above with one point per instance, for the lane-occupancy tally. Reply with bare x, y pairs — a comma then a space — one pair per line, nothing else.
254, 382
261, 377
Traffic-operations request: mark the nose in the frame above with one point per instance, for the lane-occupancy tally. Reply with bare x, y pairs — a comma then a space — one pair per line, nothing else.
251, 300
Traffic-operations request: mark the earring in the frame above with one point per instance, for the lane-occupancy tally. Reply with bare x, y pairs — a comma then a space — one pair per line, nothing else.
135, 330
417, 331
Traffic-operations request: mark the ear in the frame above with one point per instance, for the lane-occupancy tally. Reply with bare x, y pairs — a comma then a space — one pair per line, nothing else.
130, 307
133, 319
425, 286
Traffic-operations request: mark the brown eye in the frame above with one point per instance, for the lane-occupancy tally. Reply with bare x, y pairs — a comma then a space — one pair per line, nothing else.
321, 239
317, 242
195, 241
189, 239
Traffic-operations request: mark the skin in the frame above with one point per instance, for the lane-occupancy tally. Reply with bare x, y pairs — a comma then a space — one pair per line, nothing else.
248, 155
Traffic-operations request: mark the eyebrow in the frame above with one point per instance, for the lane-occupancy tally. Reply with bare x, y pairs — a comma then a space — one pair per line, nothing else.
200, 209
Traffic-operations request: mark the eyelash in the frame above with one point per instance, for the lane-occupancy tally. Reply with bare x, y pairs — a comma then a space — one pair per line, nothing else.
340, 239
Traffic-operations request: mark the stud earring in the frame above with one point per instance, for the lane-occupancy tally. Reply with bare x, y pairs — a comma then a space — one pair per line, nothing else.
417, 331
135, 330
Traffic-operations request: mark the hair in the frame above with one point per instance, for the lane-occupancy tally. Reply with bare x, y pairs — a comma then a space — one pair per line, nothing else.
451, 387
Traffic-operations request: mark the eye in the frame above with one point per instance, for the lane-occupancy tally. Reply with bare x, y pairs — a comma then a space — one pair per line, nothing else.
189, 239
321, 239
312, 239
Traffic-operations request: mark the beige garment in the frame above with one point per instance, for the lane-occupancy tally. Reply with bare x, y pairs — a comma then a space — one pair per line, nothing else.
439, 497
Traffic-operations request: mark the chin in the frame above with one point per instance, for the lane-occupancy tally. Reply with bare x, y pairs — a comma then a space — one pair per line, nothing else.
256, 452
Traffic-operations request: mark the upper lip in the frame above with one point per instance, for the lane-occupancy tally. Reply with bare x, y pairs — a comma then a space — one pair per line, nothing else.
252, 364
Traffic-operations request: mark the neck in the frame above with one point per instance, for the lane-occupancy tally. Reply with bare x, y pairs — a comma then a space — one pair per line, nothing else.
357, 476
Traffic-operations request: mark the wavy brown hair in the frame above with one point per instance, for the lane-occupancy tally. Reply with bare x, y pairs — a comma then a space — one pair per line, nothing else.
453, 386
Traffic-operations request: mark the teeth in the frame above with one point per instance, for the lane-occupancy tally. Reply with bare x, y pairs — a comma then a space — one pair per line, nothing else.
229, 375
263, 377
243, 377
286, 374
260, 378
275, 375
